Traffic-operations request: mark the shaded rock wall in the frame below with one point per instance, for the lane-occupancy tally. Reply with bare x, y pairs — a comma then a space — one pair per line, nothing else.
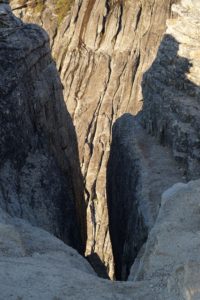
123, 183
171, 89
101, 49
139, 171
170, 113
39, 156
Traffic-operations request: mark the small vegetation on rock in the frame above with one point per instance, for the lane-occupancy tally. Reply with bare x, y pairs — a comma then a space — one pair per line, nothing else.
61, 8
38, 6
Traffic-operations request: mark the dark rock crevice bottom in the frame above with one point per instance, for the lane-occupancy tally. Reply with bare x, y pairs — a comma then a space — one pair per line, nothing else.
127, 229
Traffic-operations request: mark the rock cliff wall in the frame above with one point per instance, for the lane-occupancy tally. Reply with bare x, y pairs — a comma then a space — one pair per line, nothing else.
101, 48
139, 171
171, 89
140, 167
170, 113
40, 177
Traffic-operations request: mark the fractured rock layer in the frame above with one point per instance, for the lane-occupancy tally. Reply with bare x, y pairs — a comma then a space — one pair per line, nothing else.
39, 266
39, 156
171, 89
171, 112
139, 171
101, 50
174, 263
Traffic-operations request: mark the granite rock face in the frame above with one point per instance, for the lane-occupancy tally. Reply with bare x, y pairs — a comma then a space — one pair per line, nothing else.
36, 265
171, 114
171, 89
174, 265
141, 167
139, 171
40, 178
101, 49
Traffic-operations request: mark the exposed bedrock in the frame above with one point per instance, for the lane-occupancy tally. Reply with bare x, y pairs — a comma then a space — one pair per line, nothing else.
101, 49
140, 166
40, 178
171, 114
139, 171
36, 265
171, 89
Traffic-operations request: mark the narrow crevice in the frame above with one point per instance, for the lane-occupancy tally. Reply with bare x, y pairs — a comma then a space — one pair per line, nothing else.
126, 224
107, 5
96, 263
119, 28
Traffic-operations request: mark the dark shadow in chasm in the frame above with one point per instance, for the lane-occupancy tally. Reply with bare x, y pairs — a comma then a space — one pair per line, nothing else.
127, 230
97, 265
170, 113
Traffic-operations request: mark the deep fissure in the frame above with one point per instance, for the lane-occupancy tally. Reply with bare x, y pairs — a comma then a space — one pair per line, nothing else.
103, 64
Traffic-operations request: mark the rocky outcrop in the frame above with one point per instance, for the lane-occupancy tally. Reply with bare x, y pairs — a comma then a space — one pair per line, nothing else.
36, 265
171, 89
178, 219
40, 178
101, 49
139, 171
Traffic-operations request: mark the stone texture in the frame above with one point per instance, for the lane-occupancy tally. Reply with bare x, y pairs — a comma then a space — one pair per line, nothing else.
171, 88
171, 255
139, 171
101, 49
36, 265
40, 177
